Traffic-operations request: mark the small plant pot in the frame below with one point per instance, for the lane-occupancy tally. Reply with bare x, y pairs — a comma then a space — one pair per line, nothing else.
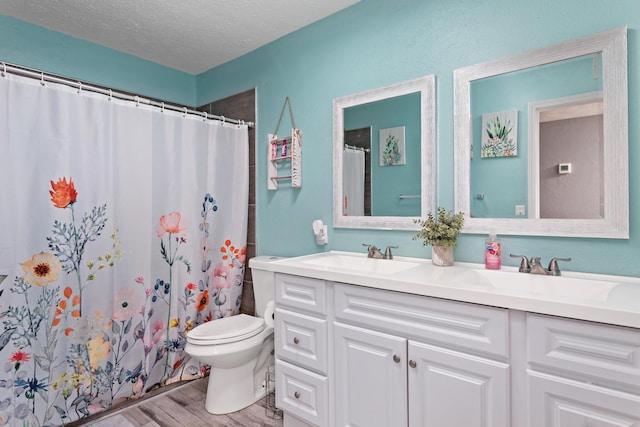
442, 256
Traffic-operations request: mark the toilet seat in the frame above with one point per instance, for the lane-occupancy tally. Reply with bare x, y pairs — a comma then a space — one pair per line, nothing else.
226, 330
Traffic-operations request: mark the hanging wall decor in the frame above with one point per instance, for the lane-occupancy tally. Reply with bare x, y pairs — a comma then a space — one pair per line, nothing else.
392, 147
500, 134
284, 156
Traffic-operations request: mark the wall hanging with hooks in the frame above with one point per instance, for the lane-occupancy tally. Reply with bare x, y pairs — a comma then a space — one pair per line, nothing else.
284, 156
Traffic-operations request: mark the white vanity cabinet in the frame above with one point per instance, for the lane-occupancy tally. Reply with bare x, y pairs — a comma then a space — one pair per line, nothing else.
358, 355
301, 350
405, 360
582, 373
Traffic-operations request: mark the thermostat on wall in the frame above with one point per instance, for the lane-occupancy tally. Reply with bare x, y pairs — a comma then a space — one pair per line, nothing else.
564, 168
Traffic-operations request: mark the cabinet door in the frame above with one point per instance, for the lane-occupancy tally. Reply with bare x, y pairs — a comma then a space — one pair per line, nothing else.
370, 378
561, 402
448, 388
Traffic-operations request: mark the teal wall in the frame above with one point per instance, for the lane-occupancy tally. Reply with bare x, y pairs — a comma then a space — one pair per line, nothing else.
376, 43
372, 44
36, 47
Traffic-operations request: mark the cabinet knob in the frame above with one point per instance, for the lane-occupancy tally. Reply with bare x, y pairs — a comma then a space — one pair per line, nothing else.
296, 395
296, 340
412, 363
396, 358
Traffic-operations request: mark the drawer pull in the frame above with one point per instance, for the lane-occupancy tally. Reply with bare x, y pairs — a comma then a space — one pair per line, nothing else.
396, 358
412, 363
296, 340
296, 395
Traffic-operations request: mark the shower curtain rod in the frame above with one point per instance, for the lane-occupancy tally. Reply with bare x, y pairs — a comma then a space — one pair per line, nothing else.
44, 77
353, 147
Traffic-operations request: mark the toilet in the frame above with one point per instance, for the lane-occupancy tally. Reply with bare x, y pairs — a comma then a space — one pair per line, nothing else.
239, 348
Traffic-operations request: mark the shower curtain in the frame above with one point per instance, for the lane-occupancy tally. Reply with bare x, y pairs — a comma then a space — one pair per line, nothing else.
353, 182
122, 227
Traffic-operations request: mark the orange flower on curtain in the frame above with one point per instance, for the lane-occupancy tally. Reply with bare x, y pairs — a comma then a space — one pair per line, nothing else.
63, 193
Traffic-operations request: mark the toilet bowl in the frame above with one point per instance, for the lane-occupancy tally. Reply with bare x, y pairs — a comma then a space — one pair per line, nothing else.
239, 348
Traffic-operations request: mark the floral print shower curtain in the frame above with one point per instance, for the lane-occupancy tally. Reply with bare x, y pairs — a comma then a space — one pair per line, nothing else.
122, 227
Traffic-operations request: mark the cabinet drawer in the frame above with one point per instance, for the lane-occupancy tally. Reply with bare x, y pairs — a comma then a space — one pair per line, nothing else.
478, 328
301, 293
301, 340
604, 354
559, 402
302, 393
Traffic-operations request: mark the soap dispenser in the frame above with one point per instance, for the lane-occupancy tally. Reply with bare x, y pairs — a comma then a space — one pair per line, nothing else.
492, 253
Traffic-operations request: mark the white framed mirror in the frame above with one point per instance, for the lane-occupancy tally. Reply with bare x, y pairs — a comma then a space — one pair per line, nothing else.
384, 156
505, 181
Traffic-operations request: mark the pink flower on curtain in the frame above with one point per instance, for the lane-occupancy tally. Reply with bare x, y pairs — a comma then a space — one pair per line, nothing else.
171, 223
221, 277
126, 304
157, 333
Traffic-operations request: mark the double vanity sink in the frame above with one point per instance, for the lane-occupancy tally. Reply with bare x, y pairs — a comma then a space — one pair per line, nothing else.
600, 298
377, 343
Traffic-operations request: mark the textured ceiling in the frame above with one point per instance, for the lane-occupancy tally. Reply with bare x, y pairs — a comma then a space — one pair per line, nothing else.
189, 35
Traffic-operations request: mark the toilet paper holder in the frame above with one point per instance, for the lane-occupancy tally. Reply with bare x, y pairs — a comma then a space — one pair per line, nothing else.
270, 390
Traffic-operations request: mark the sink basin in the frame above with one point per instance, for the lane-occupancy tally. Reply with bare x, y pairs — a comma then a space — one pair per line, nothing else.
361, 264
558, 286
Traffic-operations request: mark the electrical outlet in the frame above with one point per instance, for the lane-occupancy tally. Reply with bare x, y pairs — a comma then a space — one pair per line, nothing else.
519, 210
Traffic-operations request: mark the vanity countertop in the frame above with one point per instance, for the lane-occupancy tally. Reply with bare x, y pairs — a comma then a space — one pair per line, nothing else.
600, 298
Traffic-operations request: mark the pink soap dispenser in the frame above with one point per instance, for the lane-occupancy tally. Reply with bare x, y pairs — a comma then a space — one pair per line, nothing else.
492, 253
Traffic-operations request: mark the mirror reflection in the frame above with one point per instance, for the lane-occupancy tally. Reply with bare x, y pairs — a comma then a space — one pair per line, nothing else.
384, 165
551, 116
381, 158
541, 140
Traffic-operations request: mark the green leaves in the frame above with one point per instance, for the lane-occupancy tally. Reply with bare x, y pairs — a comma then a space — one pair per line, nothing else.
440, 231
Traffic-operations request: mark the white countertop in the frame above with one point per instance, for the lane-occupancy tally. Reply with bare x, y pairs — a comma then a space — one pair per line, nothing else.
600, 298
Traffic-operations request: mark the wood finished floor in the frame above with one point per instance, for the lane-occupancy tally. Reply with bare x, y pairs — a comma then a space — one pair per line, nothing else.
183, 406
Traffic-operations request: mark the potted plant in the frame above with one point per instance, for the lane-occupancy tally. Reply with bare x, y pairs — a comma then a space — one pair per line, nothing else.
441, 234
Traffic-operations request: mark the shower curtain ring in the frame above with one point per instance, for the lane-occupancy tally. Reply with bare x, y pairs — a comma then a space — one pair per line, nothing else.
4, 69
110, 94
79, 88
223, 119
204, 116
137, 101
162, 107
185, 112
42, 79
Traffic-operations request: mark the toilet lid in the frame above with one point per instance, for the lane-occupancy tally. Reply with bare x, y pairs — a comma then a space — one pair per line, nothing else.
227, 329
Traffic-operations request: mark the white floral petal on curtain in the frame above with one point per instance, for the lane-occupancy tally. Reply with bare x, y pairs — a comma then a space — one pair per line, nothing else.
107, 267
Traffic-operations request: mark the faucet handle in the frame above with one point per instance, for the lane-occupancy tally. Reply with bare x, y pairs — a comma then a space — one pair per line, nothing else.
553, 269
524, 264
387, 252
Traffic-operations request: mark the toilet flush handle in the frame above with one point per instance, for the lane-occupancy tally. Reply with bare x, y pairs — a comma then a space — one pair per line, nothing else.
296, 340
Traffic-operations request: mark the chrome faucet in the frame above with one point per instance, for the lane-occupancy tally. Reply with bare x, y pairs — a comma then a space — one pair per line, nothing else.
374, 252
553, 269
387, 252
534, 266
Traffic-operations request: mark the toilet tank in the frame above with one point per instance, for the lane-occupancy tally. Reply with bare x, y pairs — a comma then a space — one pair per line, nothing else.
263, 281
